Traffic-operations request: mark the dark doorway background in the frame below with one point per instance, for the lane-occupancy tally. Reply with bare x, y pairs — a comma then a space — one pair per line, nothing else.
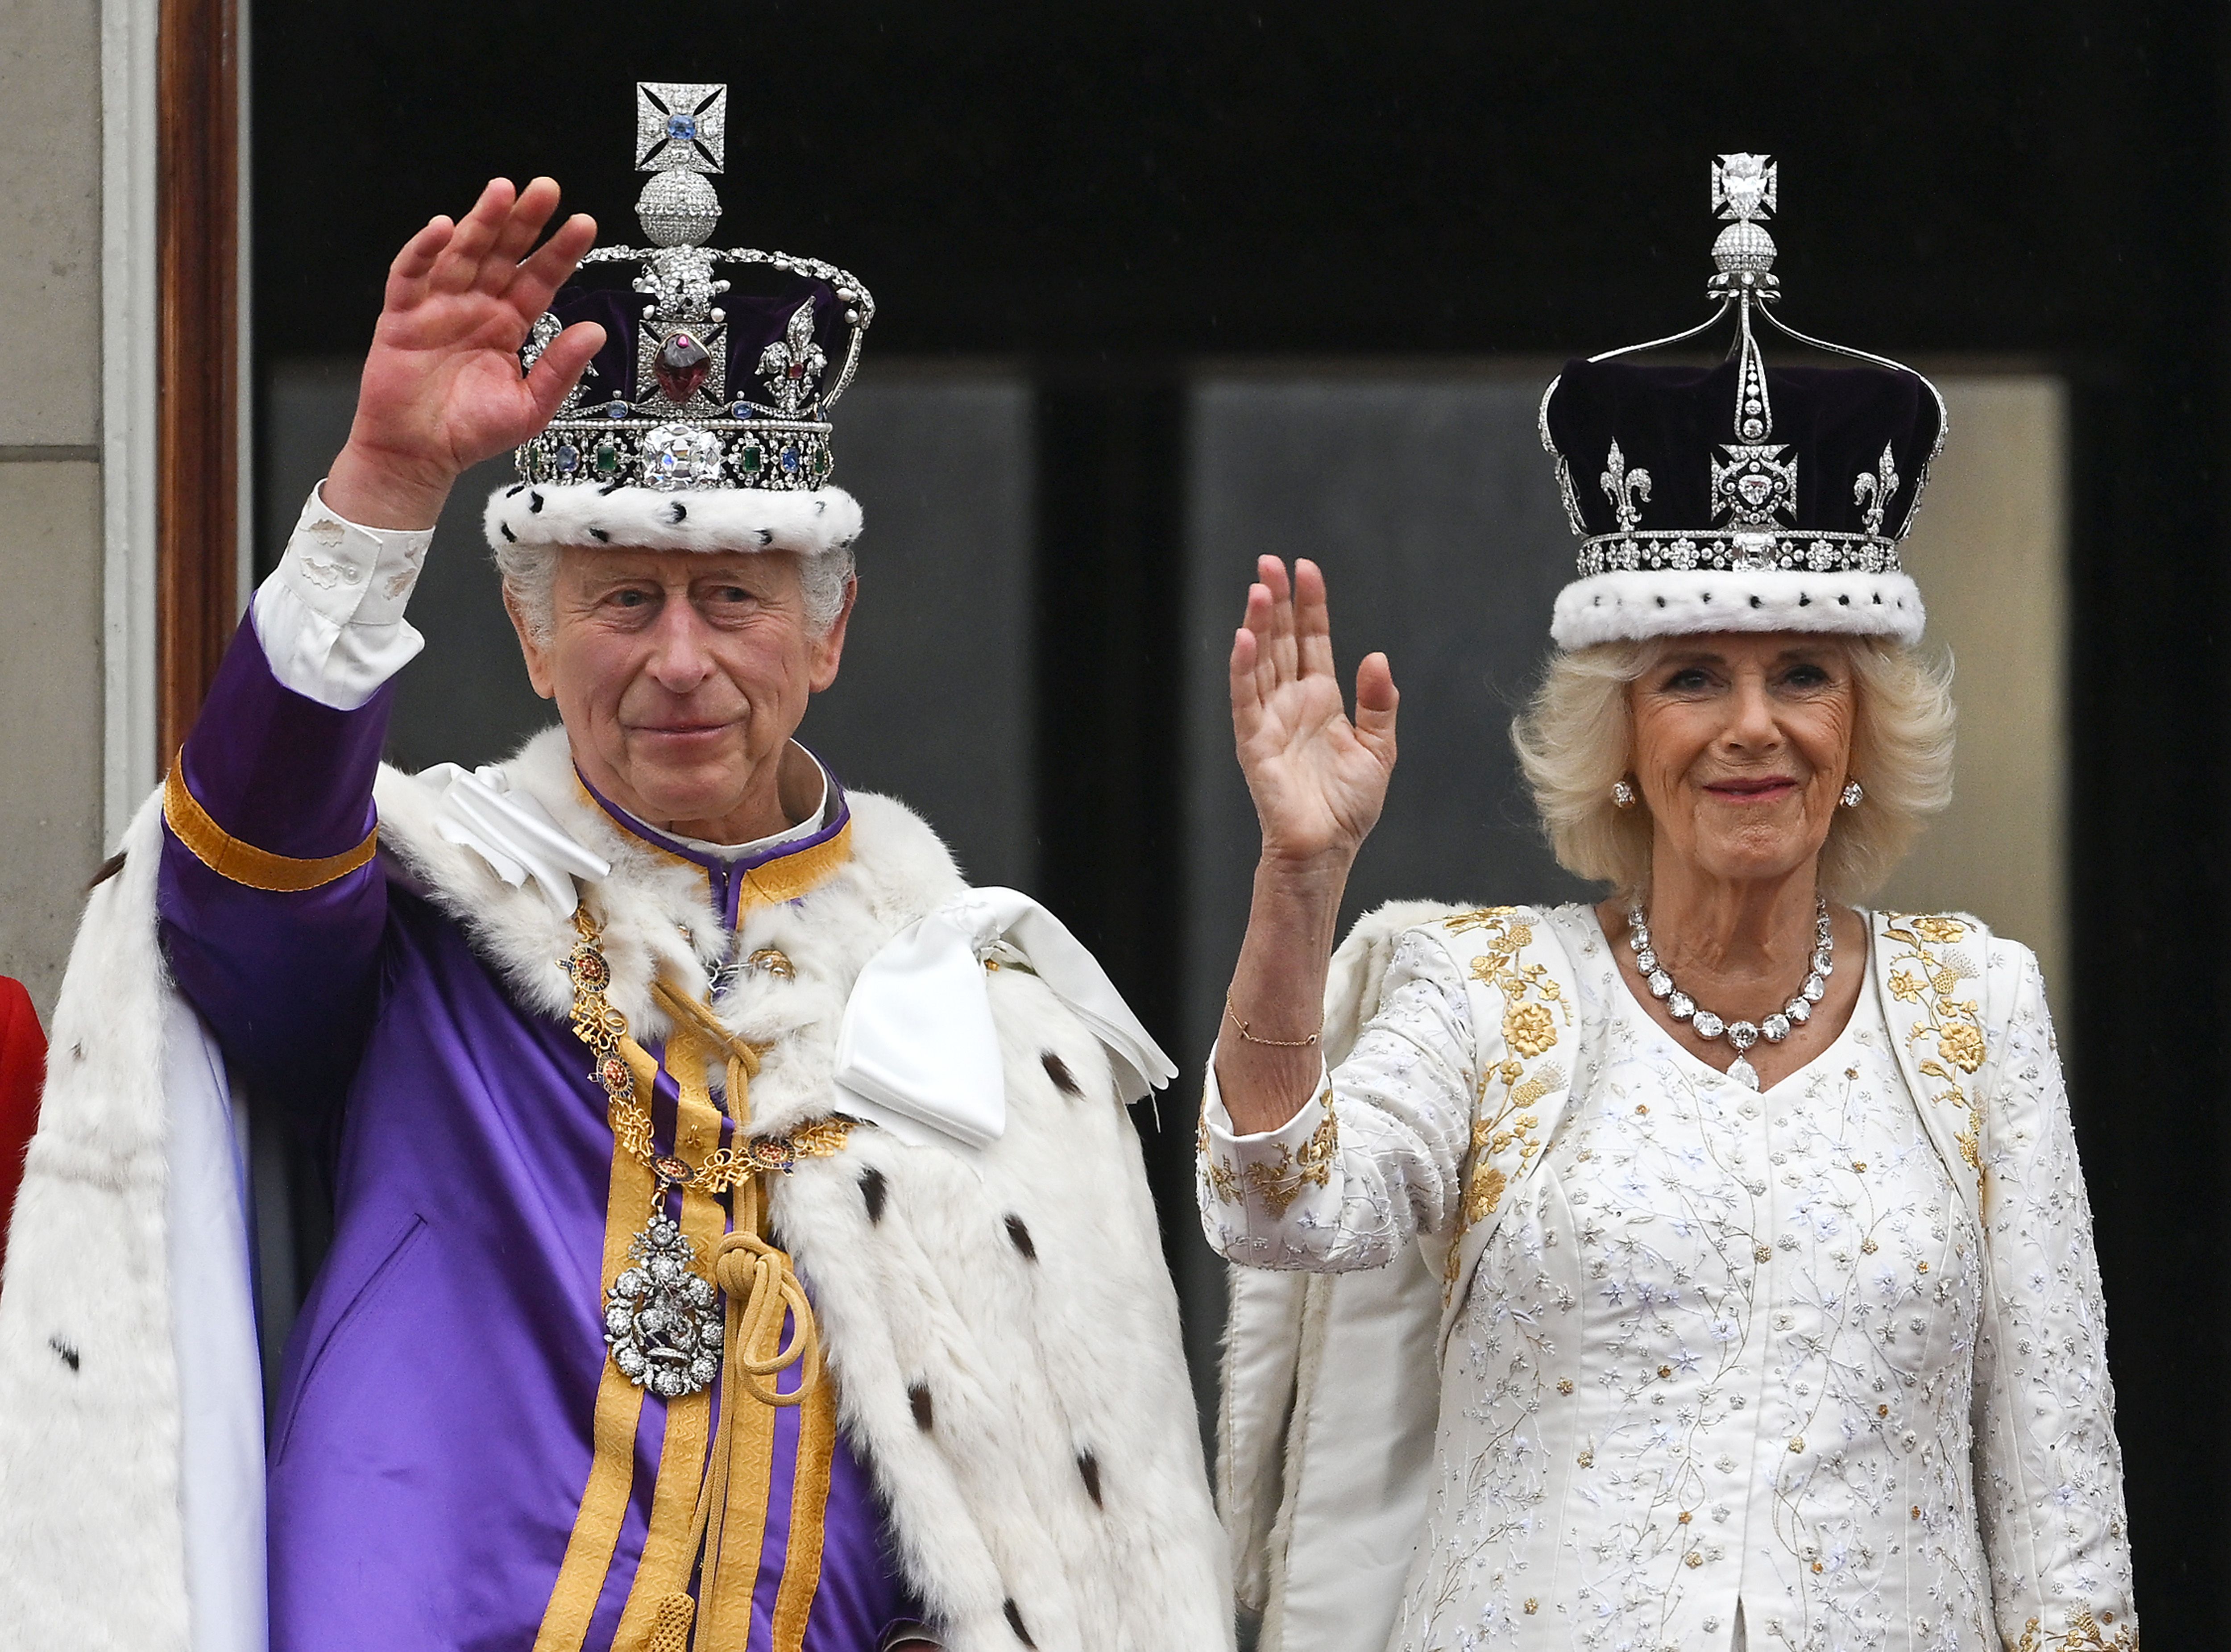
1109, 193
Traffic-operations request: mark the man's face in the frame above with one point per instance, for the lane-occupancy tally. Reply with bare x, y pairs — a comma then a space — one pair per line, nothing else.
681, 677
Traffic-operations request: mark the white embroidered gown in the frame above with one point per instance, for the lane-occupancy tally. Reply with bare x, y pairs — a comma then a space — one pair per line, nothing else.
1716, 1380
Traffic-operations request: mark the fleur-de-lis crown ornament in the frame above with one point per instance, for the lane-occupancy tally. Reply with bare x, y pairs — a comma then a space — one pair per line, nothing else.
706, 382
1740, 496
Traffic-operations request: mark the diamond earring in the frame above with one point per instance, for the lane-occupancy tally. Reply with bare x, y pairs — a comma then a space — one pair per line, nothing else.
1622, 794
1854, 794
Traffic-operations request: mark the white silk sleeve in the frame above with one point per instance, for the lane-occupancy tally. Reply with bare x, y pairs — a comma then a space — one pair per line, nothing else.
2048, 1468
1374, 1158
330, 617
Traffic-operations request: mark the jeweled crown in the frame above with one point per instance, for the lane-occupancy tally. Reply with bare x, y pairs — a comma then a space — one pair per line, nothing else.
1739, 466
700, 383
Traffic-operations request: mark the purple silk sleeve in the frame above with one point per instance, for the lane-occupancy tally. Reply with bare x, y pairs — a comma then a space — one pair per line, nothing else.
287, 981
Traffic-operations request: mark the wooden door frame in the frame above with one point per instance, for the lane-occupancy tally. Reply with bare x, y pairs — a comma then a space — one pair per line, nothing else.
198, 354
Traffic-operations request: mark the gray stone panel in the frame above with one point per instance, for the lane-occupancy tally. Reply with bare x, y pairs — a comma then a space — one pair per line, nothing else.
932, 702
50, 225
50, 716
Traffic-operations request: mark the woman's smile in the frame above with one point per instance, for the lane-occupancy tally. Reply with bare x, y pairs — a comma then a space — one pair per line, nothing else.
1755, 789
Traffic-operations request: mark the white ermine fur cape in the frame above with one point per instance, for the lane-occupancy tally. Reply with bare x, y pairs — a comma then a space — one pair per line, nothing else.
1001, 1326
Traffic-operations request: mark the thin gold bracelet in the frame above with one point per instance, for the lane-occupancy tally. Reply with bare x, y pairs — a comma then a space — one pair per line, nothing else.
1246, 1036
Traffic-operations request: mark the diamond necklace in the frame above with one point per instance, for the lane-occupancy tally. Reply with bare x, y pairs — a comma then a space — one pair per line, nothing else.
1741, 1034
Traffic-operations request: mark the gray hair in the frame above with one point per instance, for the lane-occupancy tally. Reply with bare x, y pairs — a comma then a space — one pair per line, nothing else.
530, 578
1576, 738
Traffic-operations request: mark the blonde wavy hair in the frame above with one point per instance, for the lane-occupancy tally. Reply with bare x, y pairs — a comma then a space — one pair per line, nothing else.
1576, 739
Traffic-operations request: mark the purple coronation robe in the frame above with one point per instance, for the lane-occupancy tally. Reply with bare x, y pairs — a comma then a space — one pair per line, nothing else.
432, 1437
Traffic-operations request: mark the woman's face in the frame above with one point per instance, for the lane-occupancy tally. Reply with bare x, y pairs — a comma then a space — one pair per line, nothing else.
1742, 743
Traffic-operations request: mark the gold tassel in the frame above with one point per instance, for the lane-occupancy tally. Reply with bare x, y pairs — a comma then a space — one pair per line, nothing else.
671, 1632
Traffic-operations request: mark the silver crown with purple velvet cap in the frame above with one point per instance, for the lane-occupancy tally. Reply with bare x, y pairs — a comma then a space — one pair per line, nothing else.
700, 386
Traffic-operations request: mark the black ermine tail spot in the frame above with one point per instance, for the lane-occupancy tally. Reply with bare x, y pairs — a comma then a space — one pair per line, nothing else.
1015, 1623
872, 1189
1057, 1070
1088, 1466
69, 1355
600, 536
505, 529
681, 511
924, 1415
533, 502
1021, 1235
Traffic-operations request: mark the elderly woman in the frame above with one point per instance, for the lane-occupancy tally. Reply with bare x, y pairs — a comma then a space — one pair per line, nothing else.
1736, 1230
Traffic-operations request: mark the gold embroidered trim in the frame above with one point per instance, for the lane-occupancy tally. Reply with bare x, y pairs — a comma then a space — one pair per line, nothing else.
809, 1512
1926, 974
1279, 1185
1532, 1002
596, 1532
788, 876
2085, 1634
1223, 1177
244, 862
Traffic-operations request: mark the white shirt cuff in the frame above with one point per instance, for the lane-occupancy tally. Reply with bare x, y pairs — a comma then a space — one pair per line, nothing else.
330, 617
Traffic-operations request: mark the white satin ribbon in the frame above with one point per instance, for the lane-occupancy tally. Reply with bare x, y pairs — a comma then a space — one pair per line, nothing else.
918, 1052
512, 832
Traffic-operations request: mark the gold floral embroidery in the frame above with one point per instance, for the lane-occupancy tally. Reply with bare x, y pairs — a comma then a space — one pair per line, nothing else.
1927, 973
1279, 1185
1487, 1186
1223, 1180
1532, 1005
2085, 1634
1530, 1029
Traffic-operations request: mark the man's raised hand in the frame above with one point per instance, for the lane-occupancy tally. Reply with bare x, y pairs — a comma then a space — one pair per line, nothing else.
1318, 779
442, 388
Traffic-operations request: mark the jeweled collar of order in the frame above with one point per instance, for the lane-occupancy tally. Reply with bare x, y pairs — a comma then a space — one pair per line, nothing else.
768, 871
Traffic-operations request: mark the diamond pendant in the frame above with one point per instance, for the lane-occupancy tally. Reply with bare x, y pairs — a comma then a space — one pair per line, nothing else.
1743, 1073
662, 1318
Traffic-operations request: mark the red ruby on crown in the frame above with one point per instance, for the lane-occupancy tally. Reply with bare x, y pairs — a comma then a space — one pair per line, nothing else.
683, 366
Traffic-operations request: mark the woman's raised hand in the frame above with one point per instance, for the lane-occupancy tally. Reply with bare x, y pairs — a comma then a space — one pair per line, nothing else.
442, 388
1318, 779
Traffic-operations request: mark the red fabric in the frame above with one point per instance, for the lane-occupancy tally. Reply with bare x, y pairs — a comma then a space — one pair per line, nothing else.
22, 1075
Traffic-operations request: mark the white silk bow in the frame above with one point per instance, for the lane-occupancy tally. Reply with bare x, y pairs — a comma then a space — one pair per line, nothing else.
512, 832
918, 1052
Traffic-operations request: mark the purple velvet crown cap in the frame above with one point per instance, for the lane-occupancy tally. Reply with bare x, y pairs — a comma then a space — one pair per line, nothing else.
1674, 423
752, 323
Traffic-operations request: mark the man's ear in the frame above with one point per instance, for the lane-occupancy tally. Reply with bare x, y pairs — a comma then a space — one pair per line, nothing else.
537, 655
829, 647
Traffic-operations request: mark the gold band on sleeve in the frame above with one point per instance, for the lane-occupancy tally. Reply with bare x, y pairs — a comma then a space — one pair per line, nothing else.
242, 863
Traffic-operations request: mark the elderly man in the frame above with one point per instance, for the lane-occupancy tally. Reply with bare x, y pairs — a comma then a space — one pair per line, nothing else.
740, 1238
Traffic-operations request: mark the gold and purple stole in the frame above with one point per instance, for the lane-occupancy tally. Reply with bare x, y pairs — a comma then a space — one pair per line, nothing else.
738, 1504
